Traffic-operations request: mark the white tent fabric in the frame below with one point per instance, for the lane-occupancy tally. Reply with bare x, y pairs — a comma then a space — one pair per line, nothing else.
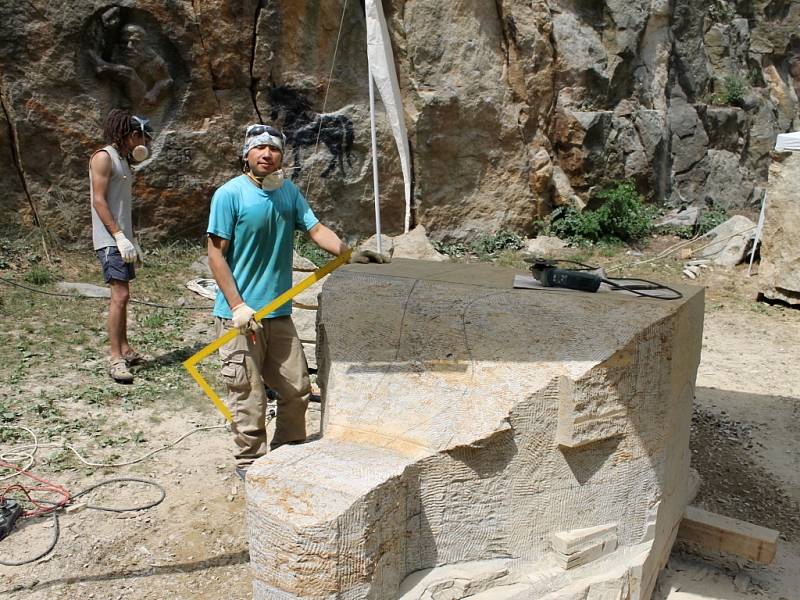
788, 141
381, 60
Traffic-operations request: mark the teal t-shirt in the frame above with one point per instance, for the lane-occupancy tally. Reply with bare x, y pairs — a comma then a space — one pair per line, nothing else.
260, 228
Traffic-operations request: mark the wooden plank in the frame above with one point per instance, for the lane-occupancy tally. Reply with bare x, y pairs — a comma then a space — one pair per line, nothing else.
725, 534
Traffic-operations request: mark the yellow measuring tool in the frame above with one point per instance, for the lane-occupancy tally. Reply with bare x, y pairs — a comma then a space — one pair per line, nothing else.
189, 363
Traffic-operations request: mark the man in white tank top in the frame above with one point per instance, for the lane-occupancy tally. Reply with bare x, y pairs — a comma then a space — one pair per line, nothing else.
110, 183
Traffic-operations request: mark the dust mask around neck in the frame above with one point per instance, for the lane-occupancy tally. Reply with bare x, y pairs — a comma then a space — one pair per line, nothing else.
140, 153
273, 181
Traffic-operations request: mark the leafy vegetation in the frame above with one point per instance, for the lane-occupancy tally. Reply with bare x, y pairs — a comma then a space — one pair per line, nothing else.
38, 275
490, 244
720, 11
308, 249
732, 92
708, 219
484, 247
622, 217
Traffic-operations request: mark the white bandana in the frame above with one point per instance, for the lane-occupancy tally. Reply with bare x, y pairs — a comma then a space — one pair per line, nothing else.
264, 139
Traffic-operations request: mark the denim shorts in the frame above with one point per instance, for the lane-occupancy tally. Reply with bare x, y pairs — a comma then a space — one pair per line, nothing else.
113, 265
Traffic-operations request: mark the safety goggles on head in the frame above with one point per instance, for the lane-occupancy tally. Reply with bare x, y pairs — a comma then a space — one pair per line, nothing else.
259, 128
143, 125
266, 134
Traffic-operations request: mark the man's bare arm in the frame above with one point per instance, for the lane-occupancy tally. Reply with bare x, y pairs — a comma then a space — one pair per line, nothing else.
217, 248
100, 168
327, 239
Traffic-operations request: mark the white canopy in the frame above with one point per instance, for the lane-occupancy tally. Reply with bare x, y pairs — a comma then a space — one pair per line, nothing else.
381, 62
788, 141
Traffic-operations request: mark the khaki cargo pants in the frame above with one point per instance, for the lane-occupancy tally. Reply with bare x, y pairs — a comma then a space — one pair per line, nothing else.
276, 359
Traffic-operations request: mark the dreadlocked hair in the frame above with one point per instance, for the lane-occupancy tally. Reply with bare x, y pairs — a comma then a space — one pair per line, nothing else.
117, 126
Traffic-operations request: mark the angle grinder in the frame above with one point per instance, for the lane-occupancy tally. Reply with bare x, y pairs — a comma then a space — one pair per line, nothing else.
586, 278
547, 272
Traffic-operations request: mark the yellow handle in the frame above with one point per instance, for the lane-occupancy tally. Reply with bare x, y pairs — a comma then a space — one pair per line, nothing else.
189, 363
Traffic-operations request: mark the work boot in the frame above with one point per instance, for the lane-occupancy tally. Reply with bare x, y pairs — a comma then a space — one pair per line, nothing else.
119, 371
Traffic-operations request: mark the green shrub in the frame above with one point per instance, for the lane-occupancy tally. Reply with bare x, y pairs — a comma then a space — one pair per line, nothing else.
451, 248
623, 217
492, 243
710, 218
733, 90
484, 246
38, 275
721, 11
573, 225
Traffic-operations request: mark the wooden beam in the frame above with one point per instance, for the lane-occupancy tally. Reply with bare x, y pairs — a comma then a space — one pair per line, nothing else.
725, 534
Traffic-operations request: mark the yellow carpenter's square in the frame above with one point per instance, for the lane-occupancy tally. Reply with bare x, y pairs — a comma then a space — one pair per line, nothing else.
190, 363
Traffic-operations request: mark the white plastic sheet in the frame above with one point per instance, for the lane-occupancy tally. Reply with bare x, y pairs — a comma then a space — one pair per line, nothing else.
381, 60
788, 142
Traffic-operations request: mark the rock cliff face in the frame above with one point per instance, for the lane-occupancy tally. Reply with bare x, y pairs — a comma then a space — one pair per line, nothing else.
513, 107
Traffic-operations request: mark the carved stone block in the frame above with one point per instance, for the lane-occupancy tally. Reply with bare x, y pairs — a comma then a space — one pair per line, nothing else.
469, 427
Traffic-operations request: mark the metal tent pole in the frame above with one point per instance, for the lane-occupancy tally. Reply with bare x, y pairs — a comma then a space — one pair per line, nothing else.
374, 157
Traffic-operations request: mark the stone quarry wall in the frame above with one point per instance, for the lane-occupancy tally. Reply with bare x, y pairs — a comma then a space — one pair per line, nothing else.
513, 107
477, 437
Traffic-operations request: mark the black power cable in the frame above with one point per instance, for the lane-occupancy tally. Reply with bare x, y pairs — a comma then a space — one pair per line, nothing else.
74, 297
58, 506
588, 279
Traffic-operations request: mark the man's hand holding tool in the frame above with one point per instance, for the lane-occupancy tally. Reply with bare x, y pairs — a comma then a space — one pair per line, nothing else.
368, 256
244, 320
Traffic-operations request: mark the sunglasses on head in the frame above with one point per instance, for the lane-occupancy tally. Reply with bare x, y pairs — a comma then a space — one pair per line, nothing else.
258, 129
141, 124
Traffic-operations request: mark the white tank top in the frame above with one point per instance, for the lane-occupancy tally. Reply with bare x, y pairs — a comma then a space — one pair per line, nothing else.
118, 197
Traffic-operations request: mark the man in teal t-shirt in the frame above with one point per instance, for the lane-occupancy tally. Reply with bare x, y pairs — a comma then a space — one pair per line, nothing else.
250, 246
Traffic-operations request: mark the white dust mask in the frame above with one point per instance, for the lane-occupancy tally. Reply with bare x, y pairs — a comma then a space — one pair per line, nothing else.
273, 181
140, 153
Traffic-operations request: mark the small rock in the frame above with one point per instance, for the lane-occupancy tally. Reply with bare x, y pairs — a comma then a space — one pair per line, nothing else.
741, 582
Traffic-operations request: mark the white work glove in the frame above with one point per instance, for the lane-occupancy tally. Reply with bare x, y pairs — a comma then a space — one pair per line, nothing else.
368, 256
126, 248
243, 318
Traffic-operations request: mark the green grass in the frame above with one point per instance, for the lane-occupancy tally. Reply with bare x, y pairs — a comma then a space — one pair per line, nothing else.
308, 249
53, 362
38, 275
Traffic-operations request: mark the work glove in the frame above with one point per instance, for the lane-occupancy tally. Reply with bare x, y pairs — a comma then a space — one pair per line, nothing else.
368, 256
244, 320
126, 248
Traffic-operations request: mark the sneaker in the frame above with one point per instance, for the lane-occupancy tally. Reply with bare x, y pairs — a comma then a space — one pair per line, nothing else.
241, 472
132, 357
119, 371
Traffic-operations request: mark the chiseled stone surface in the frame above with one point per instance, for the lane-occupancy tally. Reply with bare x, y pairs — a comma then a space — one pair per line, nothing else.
779, 270
468, 422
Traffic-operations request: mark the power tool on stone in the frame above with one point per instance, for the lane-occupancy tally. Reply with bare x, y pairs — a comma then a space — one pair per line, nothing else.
586, 278
547, 272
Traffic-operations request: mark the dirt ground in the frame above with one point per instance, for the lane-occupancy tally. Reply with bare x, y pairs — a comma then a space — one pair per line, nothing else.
745, 443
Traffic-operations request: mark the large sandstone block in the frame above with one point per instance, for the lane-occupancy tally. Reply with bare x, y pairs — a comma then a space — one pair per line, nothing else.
478, 438
779, 270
